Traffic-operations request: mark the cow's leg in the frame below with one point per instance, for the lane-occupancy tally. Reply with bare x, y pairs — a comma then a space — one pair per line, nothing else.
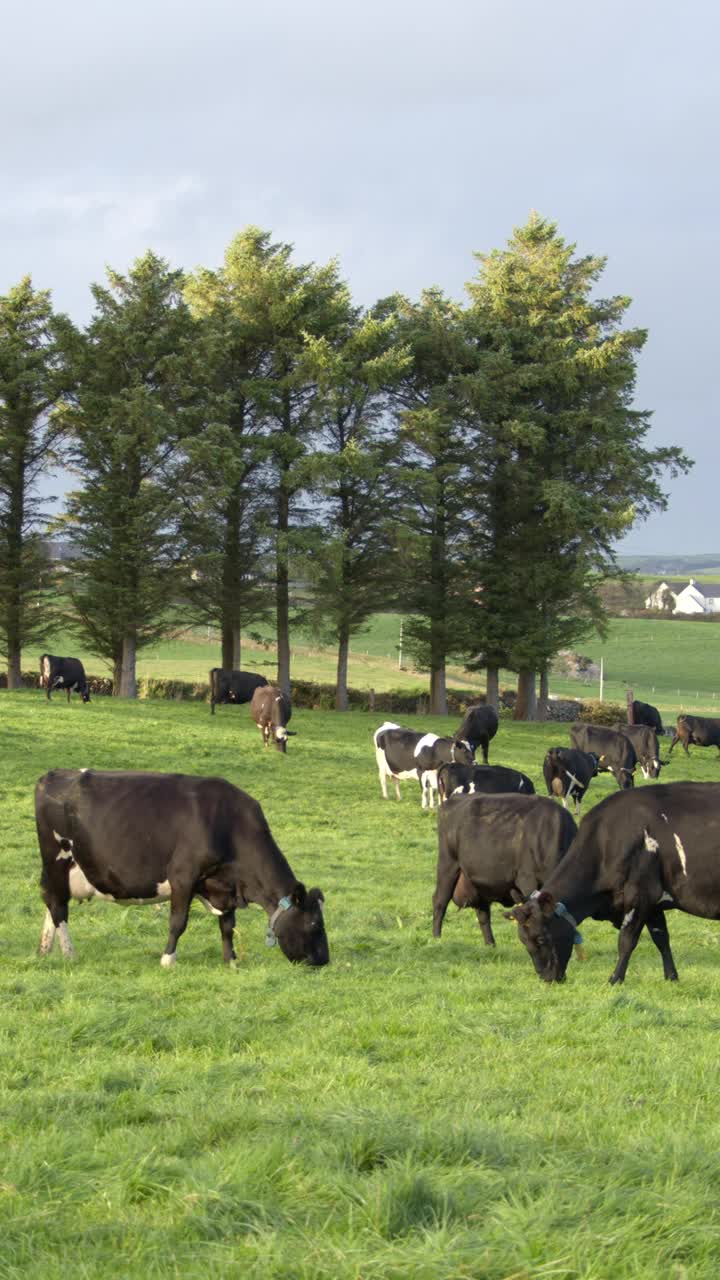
448, 872
630, 930
658, 930
227, 926
485, 745
180, 899
56, 895
483, 918
382, 771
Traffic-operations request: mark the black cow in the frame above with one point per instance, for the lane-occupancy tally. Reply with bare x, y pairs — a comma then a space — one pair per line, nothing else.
145, 837
233, 686
568, 773
63, 673
644, 740
636, 855
454, 779
496, 849
698, 731
403, 753
615, 753
478, 727
270, 709
645, 713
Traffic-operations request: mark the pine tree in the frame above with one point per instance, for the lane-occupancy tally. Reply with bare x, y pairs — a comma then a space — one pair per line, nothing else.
133, 407
36, 348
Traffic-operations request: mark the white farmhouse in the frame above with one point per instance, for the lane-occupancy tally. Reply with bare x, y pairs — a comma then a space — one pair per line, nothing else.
696, 597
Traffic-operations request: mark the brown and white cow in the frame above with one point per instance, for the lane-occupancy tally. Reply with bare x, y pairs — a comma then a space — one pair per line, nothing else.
270, 709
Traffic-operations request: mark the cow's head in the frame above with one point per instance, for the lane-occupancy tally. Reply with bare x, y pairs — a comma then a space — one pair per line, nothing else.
280, 736
462, 752
86, 694
547, 936
300, 928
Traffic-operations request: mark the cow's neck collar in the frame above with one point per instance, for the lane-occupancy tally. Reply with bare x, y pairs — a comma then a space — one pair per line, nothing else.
271, 936
562, 911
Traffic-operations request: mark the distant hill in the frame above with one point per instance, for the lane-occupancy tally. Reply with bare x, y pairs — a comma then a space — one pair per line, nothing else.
663, 565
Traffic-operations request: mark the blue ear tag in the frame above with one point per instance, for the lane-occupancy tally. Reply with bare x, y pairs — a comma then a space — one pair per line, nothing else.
270, 939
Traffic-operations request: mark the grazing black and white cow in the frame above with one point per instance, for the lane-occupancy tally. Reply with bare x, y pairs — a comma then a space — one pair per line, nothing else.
645, 713
637, 854
403, 753
644, 740
233, 686
145, 837
459, 779
478, 727
270, 709
63, 673
568, 773
615, 753
697, 731
496, 848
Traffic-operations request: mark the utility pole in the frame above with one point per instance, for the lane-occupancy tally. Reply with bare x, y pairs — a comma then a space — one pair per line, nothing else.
400, 646
602, 679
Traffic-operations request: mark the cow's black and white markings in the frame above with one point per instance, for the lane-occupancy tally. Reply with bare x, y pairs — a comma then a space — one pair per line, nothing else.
271, 711
403, 754
496, 848
63, 673
479, 726
233, 686
459, 779
568, 773
637, 855
615, 753
697, 731
146, 837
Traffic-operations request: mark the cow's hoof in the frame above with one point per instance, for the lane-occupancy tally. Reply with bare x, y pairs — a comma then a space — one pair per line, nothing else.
168, 960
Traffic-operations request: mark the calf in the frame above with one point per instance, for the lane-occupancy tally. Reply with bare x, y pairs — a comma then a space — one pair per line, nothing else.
271, 711
568, 773
644, 740
233, 686
700, 731
645, 713
637, 855
478, 727
496, 849
145, 837
63, 673
616, 755
403, 753
458, 779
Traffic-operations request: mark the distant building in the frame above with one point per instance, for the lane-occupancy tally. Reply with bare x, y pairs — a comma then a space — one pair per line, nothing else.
696, 597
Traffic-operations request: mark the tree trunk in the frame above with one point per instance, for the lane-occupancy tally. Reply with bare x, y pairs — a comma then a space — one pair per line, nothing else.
230, 634
282, 592
542, 706
14, 680
128, 681
492, 695
341, 689
438, 692
117, 676
526, 705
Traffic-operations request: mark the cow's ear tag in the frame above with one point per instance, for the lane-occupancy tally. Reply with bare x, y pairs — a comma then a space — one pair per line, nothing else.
270, 939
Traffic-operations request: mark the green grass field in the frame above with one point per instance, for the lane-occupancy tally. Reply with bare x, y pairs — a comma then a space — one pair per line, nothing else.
420, 1108
674, 665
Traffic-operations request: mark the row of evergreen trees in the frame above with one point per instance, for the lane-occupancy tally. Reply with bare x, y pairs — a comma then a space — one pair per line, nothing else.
470, 463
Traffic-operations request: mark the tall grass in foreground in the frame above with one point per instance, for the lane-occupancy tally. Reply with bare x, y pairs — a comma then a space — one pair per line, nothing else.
418, 1109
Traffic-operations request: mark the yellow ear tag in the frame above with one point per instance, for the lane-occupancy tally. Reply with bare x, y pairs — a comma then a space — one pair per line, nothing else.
580, 952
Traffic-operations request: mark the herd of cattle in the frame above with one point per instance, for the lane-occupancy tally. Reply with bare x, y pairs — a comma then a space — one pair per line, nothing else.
146, 837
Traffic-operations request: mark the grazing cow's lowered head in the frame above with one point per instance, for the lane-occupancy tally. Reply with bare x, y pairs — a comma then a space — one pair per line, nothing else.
548, 932
298, 926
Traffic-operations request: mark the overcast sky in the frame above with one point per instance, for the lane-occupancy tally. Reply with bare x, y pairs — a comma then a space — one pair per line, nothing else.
398, 137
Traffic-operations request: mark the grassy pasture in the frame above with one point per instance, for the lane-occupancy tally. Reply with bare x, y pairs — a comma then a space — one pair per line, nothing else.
672, 664
417, 1109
